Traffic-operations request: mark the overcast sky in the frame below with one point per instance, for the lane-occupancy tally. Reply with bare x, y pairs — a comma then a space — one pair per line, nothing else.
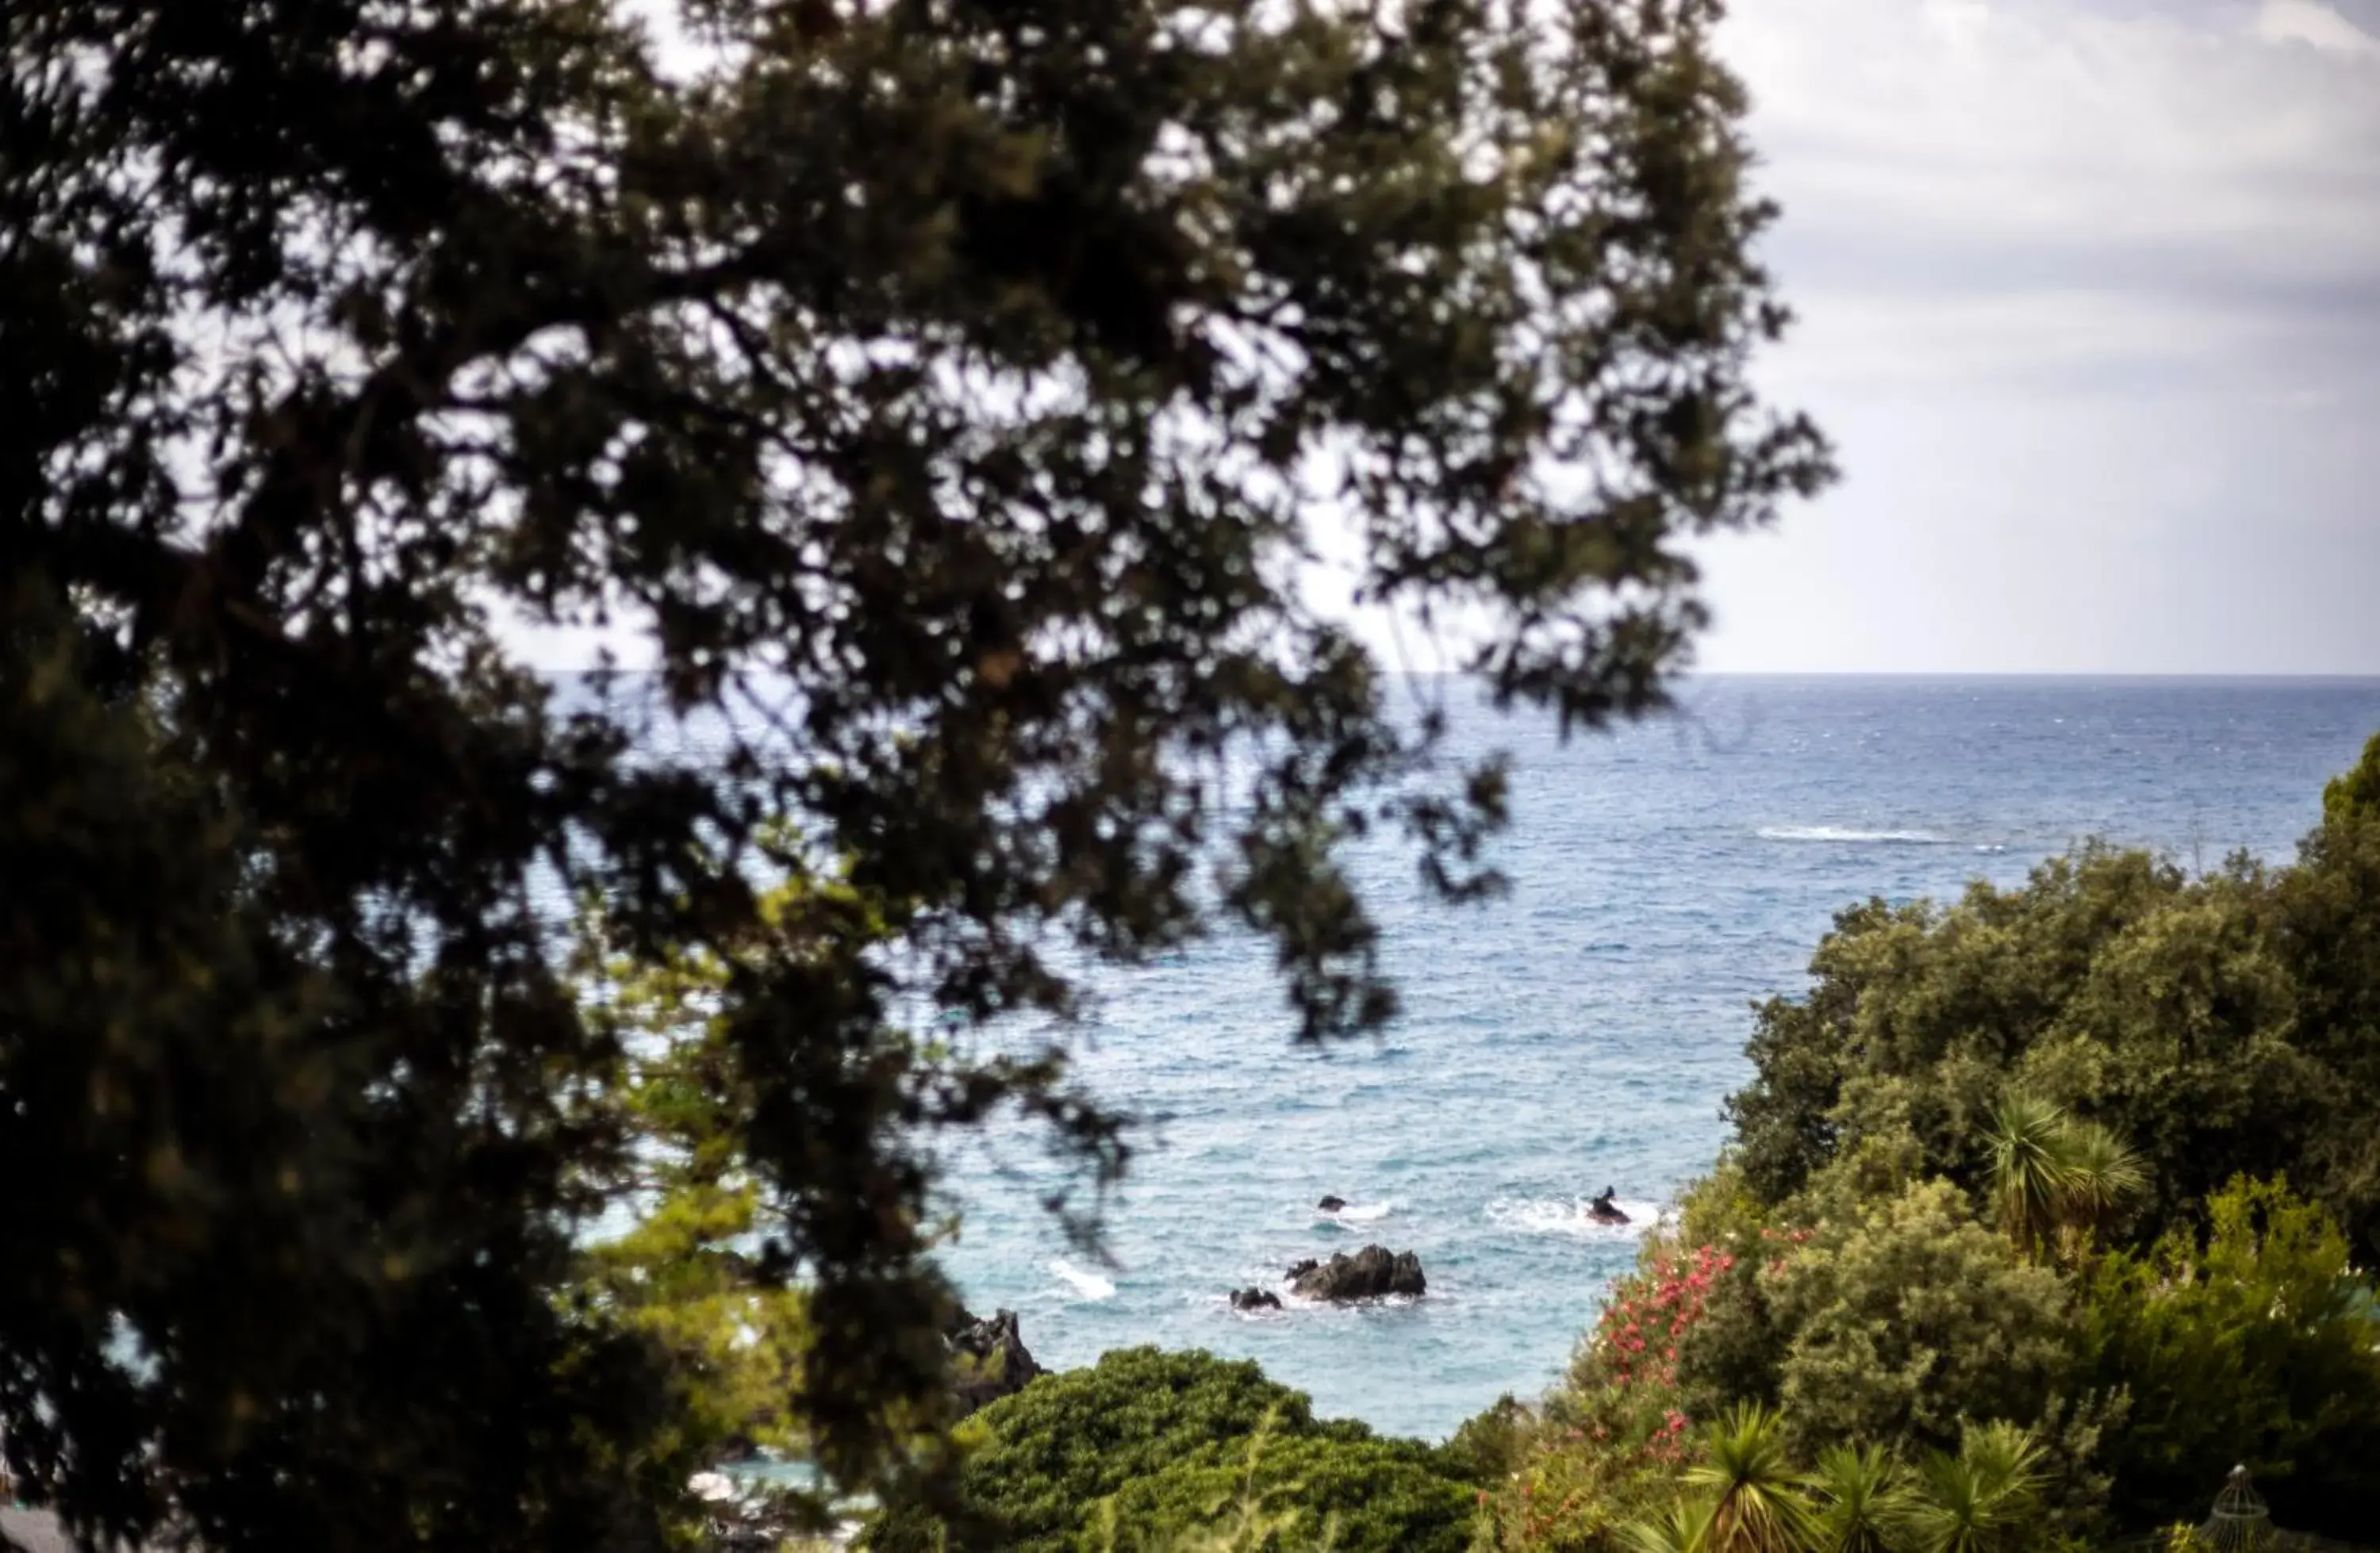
2090, 302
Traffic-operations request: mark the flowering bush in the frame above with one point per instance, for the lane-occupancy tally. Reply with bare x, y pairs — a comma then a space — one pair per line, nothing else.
1612, 1440
1651, 1313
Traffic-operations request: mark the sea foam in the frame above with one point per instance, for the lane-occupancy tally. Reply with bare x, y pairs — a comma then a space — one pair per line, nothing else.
1085, 1285
1845, 835
1569, 1215
1356, 1213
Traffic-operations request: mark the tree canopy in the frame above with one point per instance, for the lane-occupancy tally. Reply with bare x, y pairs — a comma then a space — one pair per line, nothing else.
2221, 1025
2044, 1213
944, 395
1145, 1446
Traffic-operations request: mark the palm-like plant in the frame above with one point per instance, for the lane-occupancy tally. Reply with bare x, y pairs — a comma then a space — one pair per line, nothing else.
2102, 1176
1686, 1528
1758, 1503
2026, 1142
1864, 1502
2053, 1175
1981, 1500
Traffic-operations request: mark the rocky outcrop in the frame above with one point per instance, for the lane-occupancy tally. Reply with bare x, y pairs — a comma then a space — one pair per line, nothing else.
1255, 1299
1603, 1210
1332, 1205
1369, 1274
989, 1360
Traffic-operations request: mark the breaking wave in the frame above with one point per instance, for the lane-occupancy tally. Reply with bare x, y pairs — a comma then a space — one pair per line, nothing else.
1087, 1285
1845, 835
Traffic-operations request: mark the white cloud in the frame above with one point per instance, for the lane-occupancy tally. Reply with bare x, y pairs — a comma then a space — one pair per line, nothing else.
2090, 294
2194, 170
2306, 22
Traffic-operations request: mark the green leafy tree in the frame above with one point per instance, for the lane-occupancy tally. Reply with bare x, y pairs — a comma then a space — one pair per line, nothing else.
1356, 1496
1246, 1523
2103, 1179
2353, 797
2252, 1344
679, 1263
2055, 1181
2329, 909
1486, 1447
941, 398
2030, 1169
2218, 1025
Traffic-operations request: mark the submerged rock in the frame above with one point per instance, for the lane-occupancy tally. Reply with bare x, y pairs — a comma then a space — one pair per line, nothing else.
1332, 1205
1369, 1274
1255, 1299
988, 1359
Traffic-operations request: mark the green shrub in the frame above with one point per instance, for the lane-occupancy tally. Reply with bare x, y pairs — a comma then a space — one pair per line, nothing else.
1363, 1496
1165, 1434
1486, 1447
2252, 1346
1909, 1318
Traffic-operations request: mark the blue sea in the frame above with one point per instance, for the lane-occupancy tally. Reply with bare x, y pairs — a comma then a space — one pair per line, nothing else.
1583, 1031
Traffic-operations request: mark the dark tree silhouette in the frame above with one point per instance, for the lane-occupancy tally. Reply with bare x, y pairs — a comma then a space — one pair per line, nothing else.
944, 391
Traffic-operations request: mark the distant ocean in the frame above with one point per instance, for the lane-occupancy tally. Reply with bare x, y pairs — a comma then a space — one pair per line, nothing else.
1581, 1031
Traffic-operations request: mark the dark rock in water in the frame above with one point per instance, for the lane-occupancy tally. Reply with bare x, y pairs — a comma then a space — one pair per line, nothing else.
1603, 1210
1255, 1299
987, 1359
1332, 1205
1369, 1274
1299, 1269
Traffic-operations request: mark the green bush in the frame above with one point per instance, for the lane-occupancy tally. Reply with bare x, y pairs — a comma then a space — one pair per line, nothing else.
1901, 1322
1486, 1448
2254, 1346
1168, 1436
1365, 1496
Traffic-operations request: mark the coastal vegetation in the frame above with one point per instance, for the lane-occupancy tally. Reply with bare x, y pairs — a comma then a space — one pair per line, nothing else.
1146, 1448
2043, 1211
